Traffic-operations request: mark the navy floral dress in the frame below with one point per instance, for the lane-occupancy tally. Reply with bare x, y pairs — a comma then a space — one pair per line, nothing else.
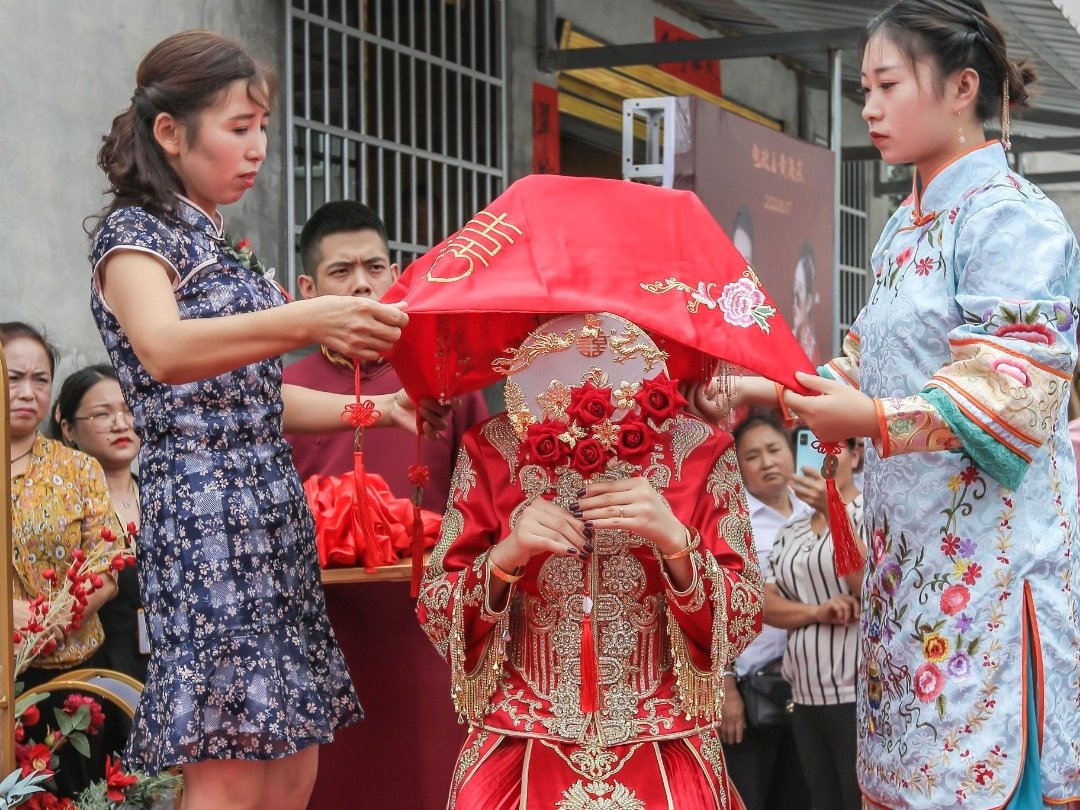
243, 662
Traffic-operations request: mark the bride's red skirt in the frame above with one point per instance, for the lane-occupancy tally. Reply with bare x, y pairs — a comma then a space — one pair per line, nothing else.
495, 772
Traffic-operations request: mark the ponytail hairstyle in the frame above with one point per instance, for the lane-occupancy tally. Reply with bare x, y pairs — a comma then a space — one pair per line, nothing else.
954, 35
181, 76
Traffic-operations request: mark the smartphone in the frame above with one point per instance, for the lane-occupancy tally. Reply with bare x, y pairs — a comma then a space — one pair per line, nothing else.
805, 453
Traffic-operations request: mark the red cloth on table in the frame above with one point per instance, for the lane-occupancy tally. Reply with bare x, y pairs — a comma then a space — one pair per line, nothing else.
332, 498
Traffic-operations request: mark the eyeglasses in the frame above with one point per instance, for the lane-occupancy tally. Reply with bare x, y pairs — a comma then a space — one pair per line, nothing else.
105, 420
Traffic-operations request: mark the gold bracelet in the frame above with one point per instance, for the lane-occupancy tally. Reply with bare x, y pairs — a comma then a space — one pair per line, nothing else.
508, 578
693, 540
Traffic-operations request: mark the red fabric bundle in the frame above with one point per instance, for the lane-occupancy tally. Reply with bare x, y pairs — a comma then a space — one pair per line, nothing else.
332, 499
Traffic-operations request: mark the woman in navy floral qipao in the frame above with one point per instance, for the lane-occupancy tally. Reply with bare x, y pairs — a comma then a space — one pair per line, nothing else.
245, 676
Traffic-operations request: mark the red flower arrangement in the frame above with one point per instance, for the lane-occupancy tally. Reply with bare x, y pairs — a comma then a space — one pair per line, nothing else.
116, 781
63, 605
588, 440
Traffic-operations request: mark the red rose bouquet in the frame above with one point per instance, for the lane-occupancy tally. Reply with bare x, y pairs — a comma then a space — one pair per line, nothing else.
588, 439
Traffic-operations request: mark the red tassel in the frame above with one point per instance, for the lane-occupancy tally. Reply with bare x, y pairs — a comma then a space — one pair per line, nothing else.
590, 678
372, 555
417, 551
847, 559
362, 415
418, 477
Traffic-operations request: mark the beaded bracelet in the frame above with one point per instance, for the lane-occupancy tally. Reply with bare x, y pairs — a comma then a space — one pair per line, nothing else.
506, 577
693, 540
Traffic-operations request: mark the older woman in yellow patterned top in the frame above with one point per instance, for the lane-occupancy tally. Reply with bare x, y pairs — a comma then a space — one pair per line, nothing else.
59, 503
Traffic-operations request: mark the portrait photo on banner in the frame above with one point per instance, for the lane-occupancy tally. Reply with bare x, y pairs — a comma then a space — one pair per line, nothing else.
773, 196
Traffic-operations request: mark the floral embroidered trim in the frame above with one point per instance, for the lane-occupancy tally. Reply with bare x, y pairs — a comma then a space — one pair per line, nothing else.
742, 302
910, 425
1013, 398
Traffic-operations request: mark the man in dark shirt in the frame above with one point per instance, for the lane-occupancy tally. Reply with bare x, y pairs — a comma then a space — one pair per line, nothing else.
404, 751
344, 252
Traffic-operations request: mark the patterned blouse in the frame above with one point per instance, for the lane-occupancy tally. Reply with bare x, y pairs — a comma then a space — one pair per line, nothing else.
59, 504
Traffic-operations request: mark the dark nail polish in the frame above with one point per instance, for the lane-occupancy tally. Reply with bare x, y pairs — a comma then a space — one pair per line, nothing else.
571, 550
575, 506
576, 513
588, 533
581, 492
588, 524
588, 548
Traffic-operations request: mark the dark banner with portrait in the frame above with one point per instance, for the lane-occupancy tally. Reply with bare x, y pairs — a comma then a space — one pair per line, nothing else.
774, 196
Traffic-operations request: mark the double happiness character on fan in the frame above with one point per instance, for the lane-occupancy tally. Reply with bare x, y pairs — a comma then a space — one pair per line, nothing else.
245, 678
958, 369
594, 577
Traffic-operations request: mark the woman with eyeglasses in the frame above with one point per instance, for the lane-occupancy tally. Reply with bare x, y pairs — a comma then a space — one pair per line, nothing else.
90, 415
59, 503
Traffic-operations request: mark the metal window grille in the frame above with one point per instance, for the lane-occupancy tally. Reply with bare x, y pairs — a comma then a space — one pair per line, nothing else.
400, 104
854, 245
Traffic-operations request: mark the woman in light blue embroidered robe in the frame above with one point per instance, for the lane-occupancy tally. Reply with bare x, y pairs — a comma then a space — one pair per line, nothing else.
970, 613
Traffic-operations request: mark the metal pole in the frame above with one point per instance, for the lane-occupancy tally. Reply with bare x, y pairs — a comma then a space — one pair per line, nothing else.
290, 155
835, 99
545, 34
7, 649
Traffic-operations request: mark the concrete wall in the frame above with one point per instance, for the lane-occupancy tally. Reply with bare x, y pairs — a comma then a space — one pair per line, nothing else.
67, 68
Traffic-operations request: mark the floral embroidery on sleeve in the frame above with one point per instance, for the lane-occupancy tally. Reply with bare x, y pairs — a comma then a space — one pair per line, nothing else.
912, 424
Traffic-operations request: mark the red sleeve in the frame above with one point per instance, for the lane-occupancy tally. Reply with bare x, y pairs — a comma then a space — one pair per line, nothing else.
452, 607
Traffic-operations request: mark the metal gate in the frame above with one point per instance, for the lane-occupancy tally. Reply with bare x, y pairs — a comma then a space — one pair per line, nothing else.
400, 104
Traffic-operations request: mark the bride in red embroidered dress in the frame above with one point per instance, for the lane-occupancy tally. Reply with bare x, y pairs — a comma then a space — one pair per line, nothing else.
594, 578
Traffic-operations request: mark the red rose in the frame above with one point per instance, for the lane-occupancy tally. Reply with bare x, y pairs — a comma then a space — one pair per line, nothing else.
928, 682
47, 801
954, 599
635, 440
31, 716
659, 398
590, 405
73, 703
590, 457
543, 446
35, 759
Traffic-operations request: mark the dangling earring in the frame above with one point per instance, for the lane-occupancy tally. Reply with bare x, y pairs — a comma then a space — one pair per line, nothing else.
1006, 141
962, 138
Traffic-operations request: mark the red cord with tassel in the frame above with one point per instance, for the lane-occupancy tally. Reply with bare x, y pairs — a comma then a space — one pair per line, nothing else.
362, 414
418, 477
590, 676
847, 559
